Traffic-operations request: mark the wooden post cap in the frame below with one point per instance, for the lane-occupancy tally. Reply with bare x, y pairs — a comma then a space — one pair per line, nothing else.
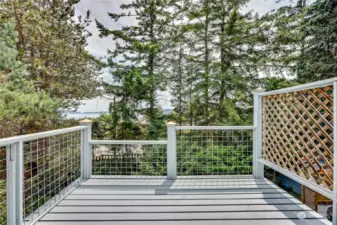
86, 121
171, 123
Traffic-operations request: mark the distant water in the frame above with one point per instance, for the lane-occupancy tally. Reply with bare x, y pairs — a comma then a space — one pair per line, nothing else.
82, 115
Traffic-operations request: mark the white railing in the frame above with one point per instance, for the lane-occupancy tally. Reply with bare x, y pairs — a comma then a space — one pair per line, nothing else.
260, 162
41, 169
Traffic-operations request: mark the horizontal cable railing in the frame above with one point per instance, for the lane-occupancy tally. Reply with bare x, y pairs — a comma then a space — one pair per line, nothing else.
214, 150
129, 158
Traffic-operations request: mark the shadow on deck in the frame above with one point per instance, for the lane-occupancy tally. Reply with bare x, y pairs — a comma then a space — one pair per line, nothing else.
230, 200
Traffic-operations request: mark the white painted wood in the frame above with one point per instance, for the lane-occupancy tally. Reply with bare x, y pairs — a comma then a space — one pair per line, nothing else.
215, 127
145, 177
323, 191
10, 179
87, 150
334, 207
19, 182
258, 168
169, 188
317, 84
179, 216
29, 137
82, 154
128, 142
171, 151
191, 182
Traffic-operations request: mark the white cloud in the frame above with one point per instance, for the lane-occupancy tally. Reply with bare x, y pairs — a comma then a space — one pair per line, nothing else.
263, 6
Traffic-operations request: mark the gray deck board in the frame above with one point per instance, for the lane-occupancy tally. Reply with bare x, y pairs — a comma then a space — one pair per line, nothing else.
186, 201
177, 197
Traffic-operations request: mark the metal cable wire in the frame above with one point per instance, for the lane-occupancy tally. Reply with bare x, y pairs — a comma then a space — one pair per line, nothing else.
129, 160
214, 152
51, 168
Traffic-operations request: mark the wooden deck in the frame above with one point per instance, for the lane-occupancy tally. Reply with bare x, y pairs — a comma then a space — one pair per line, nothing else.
230, 200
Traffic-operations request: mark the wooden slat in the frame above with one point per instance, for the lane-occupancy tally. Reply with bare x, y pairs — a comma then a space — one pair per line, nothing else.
176, 197
140, 209
175, 202
177, 183
142, 177
87, 191
177, 216
160, 187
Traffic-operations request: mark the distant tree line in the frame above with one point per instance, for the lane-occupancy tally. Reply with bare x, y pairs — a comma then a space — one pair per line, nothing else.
210, 55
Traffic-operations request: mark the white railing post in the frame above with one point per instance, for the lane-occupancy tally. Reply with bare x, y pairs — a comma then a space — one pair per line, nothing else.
171, 151
258, 168
334, 200
15, 181
10, 167
86, 150
19, 169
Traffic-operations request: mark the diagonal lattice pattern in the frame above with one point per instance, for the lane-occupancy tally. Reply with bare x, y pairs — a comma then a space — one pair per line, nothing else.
298, 133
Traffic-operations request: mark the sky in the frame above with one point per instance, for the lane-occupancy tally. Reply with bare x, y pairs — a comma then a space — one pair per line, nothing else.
98, 46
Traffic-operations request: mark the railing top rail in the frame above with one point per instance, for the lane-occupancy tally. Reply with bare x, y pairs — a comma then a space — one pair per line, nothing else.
29, 137
317, 84
128, 142
215, 127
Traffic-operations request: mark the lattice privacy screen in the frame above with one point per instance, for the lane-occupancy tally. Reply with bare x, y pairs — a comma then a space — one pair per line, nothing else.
298, 133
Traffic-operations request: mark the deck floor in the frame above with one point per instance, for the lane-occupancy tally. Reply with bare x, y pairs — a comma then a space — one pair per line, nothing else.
230, 200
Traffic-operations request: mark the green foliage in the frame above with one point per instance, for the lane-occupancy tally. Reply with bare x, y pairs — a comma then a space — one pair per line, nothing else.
23, 109
52, 45
29, 111
147, 160
274, 83
320, 53
136, 66
207, 154
104, 127
302, 38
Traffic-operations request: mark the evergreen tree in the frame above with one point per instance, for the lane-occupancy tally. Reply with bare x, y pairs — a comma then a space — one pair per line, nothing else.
23, 110
199, 17
52, 45
140, 46
127, 90
321, 34
177, 58
236, 38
